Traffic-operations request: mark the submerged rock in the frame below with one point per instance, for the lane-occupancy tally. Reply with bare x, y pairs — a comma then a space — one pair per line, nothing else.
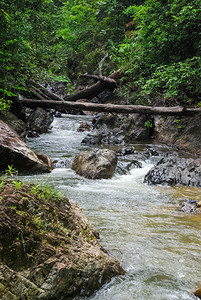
13, 151
96, 164
189, 206
48, 249
84, 127
172, 170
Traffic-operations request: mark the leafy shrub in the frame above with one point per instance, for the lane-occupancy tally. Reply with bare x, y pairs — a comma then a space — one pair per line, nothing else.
182, 80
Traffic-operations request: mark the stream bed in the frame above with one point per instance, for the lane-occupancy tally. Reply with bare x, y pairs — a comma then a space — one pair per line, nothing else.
158, 246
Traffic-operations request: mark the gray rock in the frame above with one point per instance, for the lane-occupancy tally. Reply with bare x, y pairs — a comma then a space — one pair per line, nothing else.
96, 164
118, 129
189, 206
124, 166
40, 120
172, 170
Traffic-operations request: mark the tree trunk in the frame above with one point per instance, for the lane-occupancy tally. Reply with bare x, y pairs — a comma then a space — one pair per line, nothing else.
111, 108
97, 88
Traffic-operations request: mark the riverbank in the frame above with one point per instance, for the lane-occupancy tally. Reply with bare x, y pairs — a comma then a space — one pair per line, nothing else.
48, 248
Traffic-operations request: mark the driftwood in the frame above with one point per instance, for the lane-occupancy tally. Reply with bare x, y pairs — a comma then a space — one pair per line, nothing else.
95, 89
111, 108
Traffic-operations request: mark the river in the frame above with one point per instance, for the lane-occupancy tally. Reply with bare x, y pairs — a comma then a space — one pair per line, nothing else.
158, 246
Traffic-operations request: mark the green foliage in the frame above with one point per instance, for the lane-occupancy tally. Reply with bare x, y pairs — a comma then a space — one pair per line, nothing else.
180, 124
17, 184
46, 193
11, 171
87, 31
27, 34
162, 56
179, 80
2, 184
64, 38
148, 124
167, 32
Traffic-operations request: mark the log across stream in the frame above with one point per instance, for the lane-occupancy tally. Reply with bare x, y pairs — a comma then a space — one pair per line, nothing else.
158, 246
111, 108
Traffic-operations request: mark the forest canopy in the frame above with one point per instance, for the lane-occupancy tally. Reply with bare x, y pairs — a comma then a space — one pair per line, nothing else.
156, 44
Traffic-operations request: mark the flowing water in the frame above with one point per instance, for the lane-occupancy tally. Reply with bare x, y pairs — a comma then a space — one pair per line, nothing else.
158, 246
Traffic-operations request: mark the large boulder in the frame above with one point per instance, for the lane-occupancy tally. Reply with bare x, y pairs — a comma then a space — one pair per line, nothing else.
172, 170
13, 151
48, 249
95, 164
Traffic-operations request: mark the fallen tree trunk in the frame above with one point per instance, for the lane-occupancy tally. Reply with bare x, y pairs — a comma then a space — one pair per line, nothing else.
111, 108
95, 89
41, 89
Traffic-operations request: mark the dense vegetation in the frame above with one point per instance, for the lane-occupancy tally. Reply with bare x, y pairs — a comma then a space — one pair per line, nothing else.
156, 43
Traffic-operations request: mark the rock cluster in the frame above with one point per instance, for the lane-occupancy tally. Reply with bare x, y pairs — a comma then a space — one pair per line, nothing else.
118, 129
172, 170
189, 206
48, 249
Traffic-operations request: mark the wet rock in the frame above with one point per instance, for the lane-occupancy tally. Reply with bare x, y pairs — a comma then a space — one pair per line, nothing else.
48, 248
57, 114
33, 134
39, 120
96, 136
62, 163
103, 96
84, 127
18, 125
46, 160
59, 87
96, 164
172, 170
14, 151
118, 129
126, 151
198, 293
183, 132
188, 206
149, 152
124, 166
